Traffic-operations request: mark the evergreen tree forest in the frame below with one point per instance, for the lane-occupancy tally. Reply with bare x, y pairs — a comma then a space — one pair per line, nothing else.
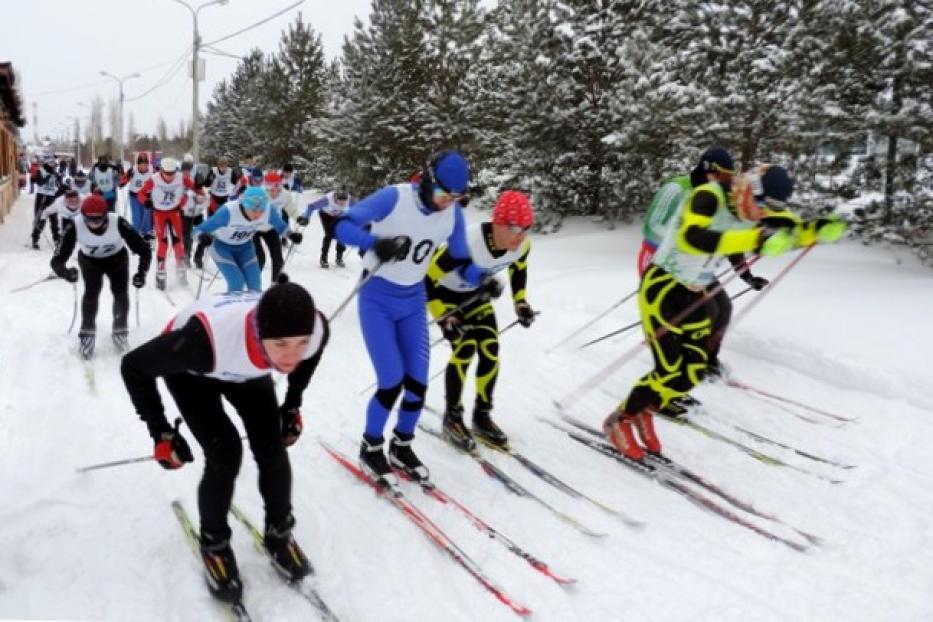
590, 104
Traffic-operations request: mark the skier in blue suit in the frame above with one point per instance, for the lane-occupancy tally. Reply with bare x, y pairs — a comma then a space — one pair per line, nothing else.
406, 223
230, 231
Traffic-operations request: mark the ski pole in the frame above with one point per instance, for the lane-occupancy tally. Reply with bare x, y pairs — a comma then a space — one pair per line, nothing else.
107, 465
628, 327
596, 379
74, 307
137, 307
598, 317
463, 305
771, 285
353, 293
23, 288
291, 249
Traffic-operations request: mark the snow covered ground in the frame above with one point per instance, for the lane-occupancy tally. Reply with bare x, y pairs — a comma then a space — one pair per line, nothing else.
848, 331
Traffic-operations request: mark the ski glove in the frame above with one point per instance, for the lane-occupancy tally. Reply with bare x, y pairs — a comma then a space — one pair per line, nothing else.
295, 237
172, 452
205, 239
302, 221
774, 242
757, 283
392, 249
830, 229
71, 275
291, 425
526, 315
139, 279
453, 328
148, 204
490, 287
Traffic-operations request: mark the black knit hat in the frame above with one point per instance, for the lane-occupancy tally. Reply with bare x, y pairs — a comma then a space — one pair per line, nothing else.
285, 310
777, 184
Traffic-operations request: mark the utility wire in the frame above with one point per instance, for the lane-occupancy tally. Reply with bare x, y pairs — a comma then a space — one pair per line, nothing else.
171, 73
260, 23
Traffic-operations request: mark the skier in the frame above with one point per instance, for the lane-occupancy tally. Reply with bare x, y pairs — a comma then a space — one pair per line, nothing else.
49, 186
103, 238
472, 330
81, 183
219, 182
226, 346
105, 178
166, 194
136, 178
283, 203
290, 179
229, 234
407, 223
705, 229
331, 207
64, 208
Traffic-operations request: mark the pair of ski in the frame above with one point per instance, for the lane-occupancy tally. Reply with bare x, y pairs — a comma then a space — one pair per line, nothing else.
237, 610
517, 489
394, 495
673, 476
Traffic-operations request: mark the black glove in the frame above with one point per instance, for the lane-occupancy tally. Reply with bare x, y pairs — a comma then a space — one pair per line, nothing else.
172, 451
139, 279
295, 237
452, 327
148, 204
205, 239
526, 315
292, 425
757, 283
71, 275
392, 249
490, 287
302, 221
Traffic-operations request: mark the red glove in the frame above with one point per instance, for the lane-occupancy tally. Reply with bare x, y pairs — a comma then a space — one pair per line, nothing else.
172, 452
292, 425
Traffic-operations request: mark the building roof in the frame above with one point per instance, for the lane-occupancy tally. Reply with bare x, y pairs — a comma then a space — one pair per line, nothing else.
10, 99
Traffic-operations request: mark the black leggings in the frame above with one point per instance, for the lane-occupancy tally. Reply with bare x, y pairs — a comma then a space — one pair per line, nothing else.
719, 308
328, 223
274, 243
117, 269
43, 201
187, 224
199, 402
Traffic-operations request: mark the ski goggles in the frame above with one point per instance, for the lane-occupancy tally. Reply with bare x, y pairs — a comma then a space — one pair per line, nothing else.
442, 193
518, 229
253, 205
95, 221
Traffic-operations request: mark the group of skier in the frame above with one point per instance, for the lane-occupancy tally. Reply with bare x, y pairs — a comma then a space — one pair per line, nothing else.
418, 257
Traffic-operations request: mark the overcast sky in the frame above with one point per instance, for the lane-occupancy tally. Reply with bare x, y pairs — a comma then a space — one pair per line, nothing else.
58, 44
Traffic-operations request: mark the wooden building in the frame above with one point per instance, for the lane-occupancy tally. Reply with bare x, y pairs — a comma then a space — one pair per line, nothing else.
11, 119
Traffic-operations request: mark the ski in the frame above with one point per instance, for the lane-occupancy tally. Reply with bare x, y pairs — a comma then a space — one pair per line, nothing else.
799, 452
394, 496
669, 465
671, 482
436, 493
306, 590
737, 384
552, 479
514, 487
236, 611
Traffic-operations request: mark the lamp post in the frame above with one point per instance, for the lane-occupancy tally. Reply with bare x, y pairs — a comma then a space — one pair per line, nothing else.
90, 129
120, 81
195, 122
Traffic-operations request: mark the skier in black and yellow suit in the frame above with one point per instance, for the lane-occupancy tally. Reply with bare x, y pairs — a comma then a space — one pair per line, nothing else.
707, 228
472, 330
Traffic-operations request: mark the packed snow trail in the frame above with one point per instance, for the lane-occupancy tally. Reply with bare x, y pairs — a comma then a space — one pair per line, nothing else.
847, 331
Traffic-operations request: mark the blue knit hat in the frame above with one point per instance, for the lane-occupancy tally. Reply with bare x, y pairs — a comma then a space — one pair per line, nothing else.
777, 184
254, 198
449, 170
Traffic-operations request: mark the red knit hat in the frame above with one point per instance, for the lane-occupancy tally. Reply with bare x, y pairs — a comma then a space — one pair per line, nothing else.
513, 208
94, 207
273, 177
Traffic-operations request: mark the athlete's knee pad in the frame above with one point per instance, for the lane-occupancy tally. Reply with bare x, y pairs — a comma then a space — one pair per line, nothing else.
386, 397
414, 394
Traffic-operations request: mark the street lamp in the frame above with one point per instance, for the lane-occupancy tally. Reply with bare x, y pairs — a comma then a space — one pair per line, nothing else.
90, 128
195, 123
120, 81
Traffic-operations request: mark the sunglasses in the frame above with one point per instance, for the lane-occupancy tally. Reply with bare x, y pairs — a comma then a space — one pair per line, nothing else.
95, 221
441, 193
518, 229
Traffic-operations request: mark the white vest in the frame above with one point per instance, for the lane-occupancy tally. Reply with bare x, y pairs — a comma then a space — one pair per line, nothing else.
288, 181
105, 181
138, 180
332, 209
228, 320
166, 195
83, 189
49, 186
108, 243
240, 229
61, 209
222, 184
427, 233
482, 257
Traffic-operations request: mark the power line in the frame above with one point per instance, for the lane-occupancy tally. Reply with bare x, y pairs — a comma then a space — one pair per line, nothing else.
171, 73
260, 23
90, 85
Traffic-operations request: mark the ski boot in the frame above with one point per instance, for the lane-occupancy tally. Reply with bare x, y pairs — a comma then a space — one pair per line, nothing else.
716, 371
403, 457
160, 275
374, 464
644, 425
180, 272
340, 263
120, 340
86, 343
619, 429
487, 431
221, 572
35, 245
675, 409
324, 263
456, 433
287, 557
